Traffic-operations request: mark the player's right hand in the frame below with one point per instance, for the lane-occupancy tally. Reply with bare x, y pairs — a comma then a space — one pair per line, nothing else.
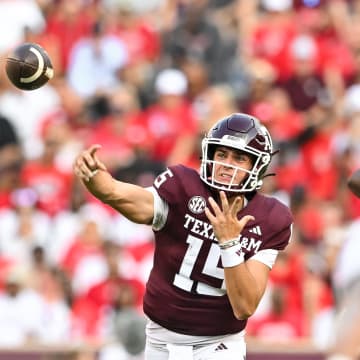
87, 164
224, 218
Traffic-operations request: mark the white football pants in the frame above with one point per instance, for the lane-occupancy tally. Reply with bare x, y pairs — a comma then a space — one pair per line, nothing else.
228, 348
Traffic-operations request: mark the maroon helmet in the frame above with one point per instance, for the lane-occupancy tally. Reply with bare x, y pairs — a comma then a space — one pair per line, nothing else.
242, 132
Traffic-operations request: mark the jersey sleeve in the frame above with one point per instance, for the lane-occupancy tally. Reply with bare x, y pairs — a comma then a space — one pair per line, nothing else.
161, 210
281, 238
168, 192
280, 220
173, 184
267, 257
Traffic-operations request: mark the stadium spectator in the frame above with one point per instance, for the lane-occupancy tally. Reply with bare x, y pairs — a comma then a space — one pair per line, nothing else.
346, 275
52, 184
170, 121
185, 299
305, 85
93, 309
101, 53
214, 103
57, 126
27, 123
24, 227
68, 21
141, 39
15, 16
282, 119
18, 325
83, 261
127, 323
280, 324
196, 36
271, 36
261, 78
122, 130
11, 161
50, 283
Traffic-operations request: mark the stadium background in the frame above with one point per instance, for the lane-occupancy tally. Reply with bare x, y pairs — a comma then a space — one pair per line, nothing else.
146, 79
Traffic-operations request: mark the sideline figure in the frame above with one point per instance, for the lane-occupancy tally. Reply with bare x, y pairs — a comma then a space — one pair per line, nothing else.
216, 239
346, 333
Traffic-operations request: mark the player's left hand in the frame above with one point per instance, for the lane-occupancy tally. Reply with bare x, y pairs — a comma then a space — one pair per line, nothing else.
224, 219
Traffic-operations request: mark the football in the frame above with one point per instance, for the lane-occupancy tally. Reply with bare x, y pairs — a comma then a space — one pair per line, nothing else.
29, 67
354, 183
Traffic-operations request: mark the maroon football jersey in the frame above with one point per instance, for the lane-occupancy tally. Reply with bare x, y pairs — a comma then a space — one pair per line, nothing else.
186, 291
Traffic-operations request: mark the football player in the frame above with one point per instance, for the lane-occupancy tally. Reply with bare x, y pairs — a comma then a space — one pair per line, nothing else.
216, 239
346, 339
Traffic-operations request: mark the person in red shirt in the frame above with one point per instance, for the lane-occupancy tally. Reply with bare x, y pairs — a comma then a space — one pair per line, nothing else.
271, 37
122, 130
141, 40
52, 184
281, 323
170, 120
115, 292
67, 22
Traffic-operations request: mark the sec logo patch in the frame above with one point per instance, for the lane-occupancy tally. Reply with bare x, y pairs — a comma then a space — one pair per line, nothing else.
197, 204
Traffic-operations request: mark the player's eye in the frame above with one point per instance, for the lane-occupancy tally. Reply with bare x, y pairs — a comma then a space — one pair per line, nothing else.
242, 158
220, 155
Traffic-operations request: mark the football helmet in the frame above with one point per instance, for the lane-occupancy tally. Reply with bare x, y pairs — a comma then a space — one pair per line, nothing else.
242, 132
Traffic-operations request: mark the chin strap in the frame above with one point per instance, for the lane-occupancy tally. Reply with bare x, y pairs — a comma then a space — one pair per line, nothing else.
267, 175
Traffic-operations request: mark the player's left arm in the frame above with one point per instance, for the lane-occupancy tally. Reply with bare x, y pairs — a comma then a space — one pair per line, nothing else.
245, 280
245, 285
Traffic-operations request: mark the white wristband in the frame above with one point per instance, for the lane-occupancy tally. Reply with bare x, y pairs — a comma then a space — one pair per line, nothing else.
232, 256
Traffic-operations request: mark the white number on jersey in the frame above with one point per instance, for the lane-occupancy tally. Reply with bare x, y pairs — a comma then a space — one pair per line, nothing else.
162, 178
182, 278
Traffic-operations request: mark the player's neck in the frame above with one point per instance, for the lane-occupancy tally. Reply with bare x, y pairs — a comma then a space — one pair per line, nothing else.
232, 199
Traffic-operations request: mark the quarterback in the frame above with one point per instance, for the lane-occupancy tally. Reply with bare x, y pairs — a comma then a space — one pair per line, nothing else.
216, 240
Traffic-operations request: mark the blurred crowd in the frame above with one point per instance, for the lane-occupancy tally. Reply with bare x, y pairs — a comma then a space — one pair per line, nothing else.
146, 79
